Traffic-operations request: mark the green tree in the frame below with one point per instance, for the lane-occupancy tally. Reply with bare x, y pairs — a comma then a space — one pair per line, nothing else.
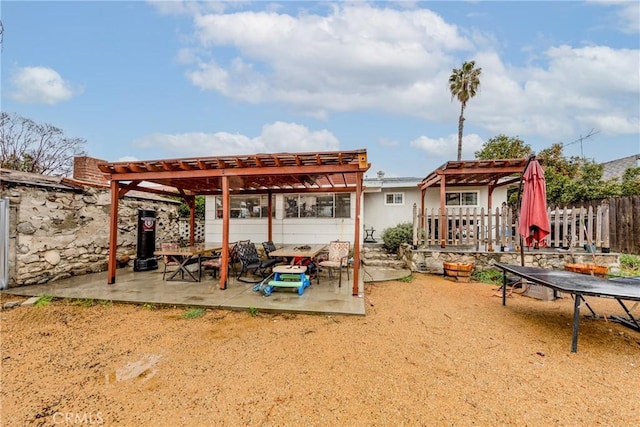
184, 211
559, 173
503, 147
37, 148
574, 180
588, 185
464, 84
631, 182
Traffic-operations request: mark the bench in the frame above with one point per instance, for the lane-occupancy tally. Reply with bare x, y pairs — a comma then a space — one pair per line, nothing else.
286, 276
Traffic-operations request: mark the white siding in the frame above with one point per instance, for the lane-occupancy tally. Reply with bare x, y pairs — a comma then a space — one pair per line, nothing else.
285, 230
381, 216
376, 214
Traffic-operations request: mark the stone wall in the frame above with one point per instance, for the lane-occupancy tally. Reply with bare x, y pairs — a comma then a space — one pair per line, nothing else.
430, 261
56, 233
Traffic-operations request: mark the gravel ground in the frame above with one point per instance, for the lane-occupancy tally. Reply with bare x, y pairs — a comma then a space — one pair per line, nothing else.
428, 352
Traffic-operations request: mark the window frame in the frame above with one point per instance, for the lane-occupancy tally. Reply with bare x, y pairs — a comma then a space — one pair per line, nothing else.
314, 211
394, 195
461, 198
237, 199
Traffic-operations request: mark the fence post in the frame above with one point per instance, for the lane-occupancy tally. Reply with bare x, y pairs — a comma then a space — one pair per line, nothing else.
416, 225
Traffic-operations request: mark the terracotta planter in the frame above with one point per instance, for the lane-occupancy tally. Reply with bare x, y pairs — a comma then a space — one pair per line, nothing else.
592, 269
458, 271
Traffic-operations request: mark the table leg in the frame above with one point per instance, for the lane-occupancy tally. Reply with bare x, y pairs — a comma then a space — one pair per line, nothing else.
504, 287
576, 323
182, 268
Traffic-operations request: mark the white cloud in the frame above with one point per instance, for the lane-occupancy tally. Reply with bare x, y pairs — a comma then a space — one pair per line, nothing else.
40, 85
629, 15
626, 13
357, 57
571, 92
367, 57
275, 137
446, 148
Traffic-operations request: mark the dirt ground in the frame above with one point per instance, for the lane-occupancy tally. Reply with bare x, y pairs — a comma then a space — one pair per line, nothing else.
428, 352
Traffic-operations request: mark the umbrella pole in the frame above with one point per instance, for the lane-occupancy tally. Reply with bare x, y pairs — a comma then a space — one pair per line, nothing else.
519, 206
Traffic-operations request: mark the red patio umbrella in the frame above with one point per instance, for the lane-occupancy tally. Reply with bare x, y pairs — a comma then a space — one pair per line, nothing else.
534, 220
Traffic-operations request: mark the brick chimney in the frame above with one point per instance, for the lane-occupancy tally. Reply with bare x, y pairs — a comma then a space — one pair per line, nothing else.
86, 169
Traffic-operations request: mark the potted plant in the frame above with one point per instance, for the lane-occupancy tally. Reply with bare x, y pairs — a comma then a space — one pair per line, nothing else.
459, 271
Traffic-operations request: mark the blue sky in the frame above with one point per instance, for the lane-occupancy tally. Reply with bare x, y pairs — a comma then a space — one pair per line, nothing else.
149, 80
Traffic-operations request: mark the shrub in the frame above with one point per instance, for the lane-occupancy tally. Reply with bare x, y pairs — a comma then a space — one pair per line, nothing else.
630, 264
396, 236
488, 276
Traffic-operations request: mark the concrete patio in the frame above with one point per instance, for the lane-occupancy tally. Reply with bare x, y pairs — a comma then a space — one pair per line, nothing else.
148, 287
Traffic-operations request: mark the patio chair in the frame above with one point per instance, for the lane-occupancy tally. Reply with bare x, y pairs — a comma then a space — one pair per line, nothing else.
167, 260
214, 262
269, 247
337, 258
250, 263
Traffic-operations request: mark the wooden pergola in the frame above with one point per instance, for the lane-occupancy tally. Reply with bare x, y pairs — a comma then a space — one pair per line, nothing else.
491, 173
338, 171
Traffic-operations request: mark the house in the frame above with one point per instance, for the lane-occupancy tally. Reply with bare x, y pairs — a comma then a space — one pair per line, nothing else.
616, 168
388, 201
297, 217
319, 217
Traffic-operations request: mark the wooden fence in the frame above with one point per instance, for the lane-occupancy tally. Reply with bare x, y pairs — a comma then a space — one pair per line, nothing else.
624, 220
477, 229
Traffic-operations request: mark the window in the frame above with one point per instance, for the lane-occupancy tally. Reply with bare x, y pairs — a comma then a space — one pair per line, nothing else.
394, 199
462, 199
246, 206
317, 205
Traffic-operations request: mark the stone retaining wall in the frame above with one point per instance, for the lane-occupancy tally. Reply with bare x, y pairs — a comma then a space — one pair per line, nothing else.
430, 261
56, 233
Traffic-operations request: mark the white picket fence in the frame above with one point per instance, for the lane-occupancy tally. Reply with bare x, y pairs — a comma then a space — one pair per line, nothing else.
185, 228
477, 229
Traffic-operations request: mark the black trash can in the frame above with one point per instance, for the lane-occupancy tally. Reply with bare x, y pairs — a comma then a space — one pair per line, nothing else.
145, 259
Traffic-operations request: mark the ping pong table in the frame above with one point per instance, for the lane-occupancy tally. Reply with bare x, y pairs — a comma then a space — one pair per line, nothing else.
579, 286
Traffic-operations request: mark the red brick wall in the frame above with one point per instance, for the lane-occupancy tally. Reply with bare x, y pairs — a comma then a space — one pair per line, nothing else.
86, 169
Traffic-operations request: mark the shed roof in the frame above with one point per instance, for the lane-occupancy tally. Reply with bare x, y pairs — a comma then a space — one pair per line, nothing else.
475, 172
328, 171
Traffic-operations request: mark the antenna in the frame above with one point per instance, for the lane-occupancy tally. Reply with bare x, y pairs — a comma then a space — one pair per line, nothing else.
582, 138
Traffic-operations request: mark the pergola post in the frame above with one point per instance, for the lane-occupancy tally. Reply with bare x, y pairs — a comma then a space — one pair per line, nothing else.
356, 237
113, 233
269, 217
224, 261
443, 216
489, 206
191, 202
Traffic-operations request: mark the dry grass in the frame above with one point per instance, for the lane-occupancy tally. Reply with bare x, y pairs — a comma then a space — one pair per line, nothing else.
429, 352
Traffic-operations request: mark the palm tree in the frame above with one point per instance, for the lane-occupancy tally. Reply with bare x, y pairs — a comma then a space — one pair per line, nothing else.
464, 83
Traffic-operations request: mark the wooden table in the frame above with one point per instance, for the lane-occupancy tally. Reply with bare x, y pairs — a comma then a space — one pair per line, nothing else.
303, 251
187, 255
